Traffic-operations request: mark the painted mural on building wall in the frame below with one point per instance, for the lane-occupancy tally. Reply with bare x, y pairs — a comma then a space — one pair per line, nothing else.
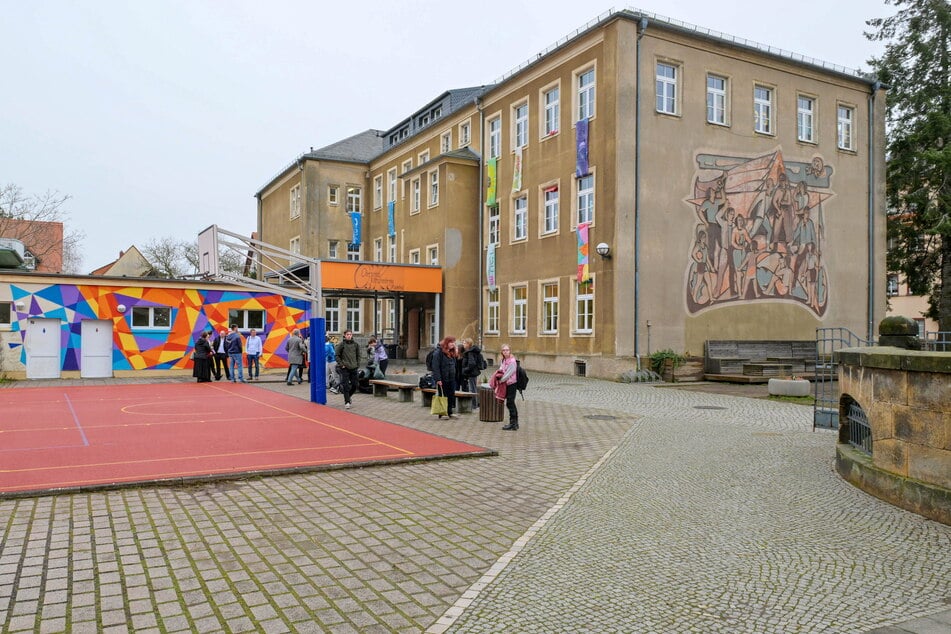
164, 344
759, 232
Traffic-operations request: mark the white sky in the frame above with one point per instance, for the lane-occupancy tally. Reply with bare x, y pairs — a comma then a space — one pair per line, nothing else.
160, 118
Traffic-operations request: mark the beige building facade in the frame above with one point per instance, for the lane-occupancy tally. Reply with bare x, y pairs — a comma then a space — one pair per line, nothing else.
736, 194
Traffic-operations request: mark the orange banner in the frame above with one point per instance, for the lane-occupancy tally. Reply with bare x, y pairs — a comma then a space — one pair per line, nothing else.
377, 276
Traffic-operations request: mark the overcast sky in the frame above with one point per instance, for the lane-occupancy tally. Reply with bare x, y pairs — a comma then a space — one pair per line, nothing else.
161, 118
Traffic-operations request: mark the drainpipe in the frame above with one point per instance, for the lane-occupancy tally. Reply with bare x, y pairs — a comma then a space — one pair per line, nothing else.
871, 211
637, 190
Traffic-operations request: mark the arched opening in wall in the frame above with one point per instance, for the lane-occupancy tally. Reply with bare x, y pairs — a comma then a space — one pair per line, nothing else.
856, 431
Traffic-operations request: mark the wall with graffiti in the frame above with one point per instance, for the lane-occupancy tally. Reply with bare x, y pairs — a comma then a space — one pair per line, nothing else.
759, 232
178, 315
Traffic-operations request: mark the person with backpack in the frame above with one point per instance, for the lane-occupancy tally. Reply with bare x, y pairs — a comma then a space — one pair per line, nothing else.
330, 358
503, 383
473, 363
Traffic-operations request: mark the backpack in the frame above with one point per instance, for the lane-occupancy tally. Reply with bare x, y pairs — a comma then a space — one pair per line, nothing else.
521, 378
482, 364
427, 381
429, 359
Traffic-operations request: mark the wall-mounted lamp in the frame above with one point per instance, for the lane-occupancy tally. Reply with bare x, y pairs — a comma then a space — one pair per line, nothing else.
603, 250
121, 308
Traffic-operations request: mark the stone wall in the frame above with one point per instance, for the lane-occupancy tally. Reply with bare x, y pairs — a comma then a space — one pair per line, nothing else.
906, 396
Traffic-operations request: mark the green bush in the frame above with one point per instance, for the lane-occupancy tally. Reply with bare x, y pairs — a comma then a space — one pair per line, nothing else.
658, 358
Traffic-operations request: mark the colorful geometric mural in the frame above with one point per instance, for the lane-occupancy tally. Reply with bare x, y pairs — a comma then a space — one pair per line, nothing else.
154, 348
760, 232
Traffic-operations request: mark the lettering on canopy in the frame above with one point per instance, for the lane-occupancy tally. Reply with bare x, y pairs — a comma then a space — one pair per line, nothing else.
381, 277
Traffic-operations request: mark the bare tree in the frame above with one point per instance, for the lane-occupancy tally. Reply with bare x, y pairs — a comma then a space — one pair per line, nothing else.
22, 217
168, 256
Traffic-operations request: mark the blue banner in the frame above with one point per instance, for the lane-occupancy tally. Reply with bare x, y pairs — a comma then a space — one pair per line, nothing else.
581, 165
355, 220
391, 218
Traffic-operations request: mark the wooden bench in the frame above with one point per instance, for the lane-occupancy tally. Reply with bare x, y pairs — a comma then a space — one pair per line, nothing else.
464, 400
757, 360
381, 387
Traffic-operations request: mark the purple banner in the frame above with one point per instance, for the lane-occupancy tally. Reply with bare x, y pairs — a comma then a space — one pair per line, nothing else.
581, 165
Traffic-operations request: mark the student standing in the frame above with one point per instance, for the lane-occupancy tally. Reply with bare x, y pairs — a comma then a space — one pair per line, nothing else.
233, 346
202, 358
254, 347
380, 358
330, 358
444, 371
503, 383
295, 356
221, 357
349, 359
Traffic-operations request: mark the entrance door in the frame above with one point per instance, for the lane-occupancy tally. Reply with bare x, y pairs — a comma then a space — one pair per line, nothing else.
43, 349
96, 342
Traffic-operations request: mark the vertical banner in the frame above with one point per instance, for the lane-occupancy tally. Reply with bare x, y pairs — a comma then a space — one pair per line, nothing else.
391, 218
490, 266
491, 169
581, 164
517, 172
355, 220
583, 273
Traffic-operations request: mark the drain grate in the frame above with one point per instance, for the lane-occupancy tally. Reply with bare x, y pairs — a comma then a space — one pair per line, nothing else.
600, 417
708, 407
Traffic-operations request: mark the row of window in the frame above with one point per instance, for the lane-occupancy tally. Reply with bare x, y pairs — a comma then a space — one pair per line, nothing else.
549, 215
668, 90
549, 308
354, 198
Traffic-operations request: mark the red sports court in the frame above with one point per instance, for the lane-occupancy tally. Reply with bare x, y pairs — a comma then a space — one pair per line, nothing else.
55, 439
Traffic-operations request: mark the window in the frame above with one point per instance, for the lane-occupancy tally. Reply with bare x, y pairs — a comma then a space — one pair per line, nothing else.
432, 255
520, 218
892, 287
423, 157
151, 317
586, 94
414, 256
333, 194
295, 245
550, 101
246, 319
391, 185
585, 199
520, 120
353, 252
550, 308
763, 109
494, 225
584, 307
434, 188
495, 137
445, 142
391, 246
415, 196
354, 314
6, 313
520, 310
378, 191
465, 133
407, 166
29, 260
716, 99
354, 199
332, 249
492, 309
550, 218
846, 116
295, 201
666, 88
332, 315
378, 250
805, 117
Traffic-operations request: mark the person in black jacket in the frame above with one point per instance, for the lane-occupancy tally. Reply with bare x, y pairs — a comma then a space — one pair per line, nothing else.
221, 357
202, 358
444, 371
473, 363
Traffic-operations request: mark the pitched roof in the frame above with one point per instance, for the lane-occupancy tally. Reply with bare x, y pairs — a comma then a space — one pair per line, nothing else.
359, 148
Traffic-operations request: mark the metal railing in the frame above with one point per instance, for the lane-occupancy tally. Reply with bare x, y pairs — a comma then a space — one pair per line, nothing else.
860, 433
825, 410
937, 341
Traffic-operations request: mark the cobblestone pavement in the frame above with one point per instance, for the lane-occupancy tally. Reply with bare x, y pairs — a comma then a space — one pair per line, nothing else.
615, 508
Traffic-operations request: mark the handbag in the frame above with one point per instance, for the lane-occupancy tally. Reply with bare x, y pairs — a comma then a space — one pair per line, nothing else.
440, 406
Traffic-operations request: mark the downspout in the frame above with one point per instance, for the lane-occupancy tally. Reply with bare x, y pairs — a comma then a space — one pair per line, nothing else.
478, 104
869, 336
637, 190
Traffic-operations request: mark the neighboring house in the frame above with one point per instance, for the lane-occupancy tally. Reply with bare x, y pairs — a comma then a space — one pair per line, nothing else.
726, 183
130, 263
42, 243
902, 302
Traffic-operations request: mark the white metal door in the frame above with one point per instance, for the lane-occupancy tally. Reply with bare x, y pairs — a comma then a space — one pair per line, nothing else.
96, 342
43, 349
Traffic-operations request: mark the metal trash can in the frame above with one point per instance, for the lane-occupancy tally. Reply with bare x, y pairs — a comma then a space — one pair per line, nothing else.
491, 409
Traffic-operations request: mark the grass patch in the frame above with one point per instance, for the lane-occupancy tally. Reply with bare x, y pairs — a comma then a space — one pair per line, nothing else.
801, 400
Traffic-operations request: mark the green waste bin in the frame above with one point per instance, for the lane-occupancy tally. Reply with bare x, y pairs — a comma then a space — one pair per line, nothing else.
491, 409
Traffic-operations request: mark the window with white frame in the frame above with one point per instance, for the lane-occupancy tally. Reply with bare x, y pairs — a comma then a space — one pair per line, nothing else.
353, 252
295, 245
333, 194
354, 315
891, 288
492, 311
445, 142
434, 188
432, 326
805, 118
6, 313
716, 99
494, 224
332, 315
584, 307
552, 105
245, 319
519, 310
763, 109
414, 256
550, 213
586, 94
354, 199
666, 88
845, 120
333, 249
295, 201
423, 157
495, 137
391, 246
378, 250
465, 133
520, 121
550, 308
391, 185
378, 191
151, 317
407, 166
414, 196
520, 218
432, 255
585, 199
